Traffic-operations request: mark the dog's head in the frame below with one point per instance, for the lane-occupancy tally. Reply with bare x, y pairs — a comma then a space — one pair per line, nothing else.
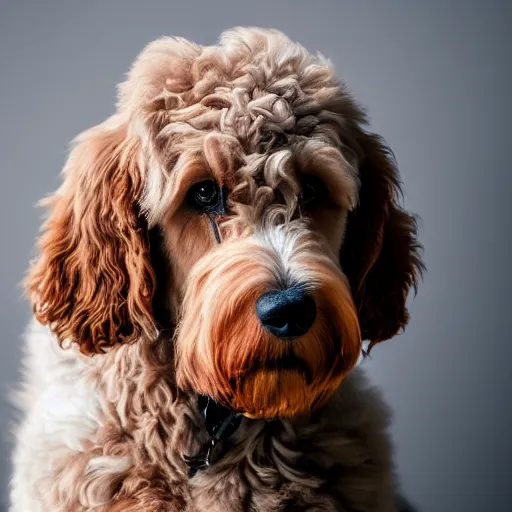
281, 242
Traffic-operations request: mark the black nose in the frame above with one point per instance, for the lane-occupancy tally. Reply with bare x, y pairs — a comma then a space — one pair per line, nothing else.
286, 313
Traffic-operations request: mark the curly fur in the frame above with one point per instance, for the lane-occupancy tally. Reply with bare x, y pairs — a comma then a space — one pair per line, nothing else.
141, 308
117, 430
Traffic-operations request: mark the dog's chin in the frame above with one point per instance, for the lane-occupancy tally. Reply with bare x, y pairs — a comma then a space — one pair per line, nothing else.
274, 389
275, 379
277, 393
277, 387
272, 378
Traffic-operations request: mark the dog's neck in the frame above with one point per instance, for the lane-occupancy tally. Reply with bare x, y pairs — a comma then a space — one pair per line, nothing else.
220, 423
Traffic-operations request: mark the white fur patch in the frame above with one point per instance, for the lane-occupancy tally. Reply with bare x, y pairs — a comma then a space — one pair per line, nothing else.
282, 242
288, 243
61, 410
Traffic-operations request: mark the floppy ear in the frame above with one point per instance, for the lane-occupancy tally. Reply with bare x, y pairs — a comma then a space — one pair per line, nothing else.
93, 281
380, 253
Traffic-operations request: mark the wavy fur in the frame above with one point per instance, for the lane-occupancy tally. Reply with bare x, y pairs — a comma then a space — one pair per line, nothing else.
138, 307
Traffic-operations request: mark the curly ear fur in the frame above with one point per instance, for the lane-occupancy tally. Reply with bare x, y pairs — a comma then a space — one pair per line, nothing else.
93, 281
380, 254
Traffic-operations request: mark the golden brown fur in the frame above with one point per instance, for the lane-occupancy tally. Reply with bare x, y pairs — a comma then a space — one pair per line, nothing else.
94, 281
154, 310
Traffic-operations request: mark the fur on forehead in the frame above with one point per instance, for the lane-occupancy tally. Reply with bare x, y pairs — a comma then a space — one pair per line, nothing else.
257, 104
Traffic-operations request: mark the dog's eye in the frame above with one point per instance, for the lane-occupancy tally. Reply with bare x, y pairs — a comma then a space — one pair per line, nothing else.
313, 189
204, 196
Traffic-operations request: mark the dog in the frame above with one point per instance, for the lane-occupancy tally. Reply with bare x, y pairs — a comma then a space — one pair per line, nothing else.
218, 252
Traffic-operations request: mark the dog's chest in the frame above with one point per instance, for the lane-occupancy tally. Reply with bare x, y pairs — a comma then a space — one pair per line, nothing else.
125, 438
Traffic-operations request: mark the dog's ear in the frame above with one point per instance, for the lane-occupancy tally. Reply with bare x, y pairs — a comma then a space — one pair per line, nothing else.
93, 282
380, 252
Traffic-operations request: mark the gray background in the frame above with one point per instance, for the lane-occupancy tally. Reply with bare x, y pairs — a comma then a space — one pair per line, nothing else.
436, 79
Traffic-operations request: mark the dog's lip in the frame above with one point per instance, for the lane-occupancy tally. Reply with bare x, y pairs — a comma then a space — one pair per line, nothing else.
288, 362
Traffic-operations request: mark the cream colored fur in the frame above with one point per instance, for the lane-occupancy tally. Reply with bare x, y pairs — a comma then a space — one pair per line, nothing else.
67, 403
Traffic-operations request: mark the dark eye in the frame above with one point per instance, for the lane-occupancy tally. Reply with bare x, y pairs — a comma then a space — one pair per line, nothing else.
313, 190
204, 196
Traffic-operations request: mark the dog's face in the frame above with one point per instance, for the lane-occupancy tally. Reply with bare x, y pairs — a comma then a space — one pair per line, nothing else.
281, 242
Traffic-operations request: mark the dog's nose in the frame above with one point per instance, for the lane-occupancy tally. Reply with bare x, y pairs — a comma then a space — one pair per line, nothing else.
286, 313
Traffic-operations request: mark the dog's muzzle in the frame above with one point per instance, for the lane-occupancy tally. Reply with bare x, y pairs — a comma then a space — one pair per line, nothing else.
269, 328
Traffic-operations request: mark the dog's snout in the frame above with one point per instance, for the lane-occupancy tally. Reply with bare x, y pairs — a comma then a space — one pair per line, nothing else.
286, 313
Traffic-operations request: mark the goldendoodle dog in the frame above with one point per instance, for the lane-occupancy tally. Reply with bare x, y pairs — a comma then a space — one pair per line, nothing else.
218, 252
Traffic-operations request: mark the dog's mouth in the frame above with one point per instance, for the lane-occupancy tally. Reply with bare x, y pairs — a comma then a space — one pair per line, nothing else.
288, 362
